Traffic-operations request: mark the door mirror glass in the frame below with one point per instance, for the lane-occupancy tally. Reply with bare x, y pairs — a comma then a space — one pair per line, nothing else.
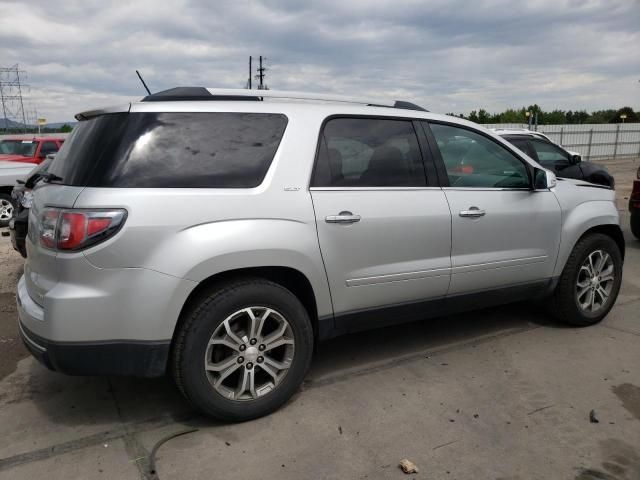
544, 179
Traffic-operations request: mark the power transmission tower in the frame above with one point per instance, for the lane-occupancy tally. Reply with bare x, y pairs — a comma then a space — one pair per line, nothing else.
11, 96
261, 74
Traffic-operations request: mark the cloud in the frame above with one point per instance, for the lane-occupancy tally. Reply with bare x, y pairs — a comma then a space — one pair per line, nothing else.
446, 55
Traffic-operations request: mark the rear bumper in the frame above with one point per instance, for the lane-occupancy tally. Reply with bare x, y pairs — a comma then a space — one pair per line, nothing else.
138, 359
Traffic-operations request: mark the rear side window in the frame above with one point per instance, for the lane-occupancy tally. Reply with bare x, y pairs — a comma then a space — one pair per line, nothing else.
171, 150
367, 152
48, 147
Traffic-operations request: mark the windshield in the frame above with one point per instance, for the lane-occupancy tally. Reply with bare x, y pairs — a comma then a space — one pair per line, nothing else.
26, 148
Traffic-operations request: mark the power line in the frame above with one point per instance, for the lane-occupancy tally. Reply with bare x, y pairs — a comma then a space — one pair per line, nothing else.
11, 89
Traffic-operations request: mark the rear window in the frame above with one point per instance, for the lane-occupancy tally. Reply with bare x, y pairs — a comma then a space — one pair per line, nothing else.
170, 150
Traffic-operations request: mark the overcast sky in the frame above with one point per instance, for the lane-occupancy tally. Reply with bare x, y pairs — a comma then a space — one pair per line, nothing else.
442, 54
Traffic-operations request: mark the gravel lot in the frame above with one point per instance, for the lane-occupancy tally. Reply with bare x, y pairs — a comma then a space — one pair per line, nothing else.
504, 393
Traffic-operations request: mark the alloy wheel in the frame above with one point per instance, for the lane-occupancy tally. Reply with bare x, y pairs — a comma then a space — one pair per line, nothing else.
6, 209
249, 353
595, 281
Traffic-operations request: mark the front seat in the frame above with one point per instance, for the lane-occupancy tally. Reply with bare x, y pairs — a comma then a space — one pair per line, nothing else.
386, 168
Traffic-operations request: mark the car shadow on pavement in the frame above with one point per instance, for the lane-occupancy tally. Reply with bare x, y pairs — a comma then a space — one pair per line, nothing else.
389, 344
74, 401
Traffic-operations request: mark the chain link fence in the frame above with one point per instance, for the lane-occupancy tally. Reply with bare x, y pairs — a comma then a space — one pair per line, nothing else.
597, 141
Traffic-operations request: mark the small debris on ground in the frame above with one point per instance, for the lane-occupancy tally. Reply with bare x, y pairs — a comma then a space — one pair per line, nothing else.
408, 466
227, 444
592, 417
340, 429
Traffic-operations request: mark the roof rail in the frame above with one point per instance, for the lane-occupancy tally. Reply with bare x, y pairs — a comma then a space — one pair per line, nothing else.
201, 93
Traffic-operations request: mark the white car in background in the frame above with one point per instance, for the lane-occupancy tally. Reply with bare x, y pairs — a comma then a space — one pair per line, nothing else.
511, 131
10, 173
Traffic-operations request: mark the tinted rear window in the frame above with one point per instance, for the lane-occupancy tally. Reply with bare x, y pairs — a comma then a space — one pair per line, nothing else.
171, 150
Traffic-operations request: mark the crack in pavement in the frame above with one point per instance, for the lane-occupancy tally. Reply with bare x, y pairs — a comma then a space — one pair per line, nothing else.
92, 440
137, 453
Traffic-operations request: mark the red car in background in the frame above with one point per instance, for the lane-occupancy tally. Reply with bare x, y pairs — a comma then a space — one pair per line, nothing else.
634, 206
25, 150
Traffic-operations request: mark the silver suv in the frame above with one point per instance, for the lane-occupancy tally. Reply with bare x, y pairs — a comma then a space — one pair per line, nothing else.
217, 235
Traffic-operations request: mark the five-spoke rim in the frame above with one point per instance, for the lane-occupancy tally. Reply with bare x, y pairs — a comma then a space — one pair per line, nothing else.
6, 209
249, 353
595, 281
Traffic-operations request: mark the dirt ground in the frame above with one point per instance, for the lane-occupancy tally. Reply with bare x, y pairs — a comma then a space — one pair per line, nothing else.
503, 393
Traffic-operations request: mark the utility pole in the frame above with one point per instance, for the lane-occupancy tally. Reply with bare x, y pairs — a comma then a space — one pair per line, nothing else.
261, 75
250, 72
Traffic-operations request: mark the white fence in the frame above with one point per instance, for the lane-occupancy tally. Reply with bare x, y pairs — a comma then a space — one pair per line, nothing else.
595, 141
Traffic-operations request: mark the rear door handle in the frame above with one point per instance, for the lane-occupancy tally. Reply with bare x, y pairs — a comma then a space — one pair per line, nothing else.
473, 212
343, 217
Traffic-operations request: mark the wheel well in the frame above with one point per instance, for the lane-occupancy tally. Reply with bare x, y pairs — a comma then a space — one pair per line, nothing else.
293, 280
6, 190
612, 231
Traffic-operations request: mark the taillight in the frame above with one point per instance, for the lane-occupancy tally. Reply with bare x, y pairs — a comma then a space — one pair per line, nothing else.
64, 229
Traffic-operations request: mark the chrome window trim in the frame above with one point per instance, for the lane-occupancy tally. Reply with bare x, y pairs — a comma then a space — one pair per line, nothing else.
476, 189
393, 189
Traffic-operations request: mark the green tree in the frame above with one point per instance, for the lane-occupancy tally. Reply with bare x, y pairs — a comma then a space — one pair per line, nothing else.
483, 116
631, 116
66, 128
556, 117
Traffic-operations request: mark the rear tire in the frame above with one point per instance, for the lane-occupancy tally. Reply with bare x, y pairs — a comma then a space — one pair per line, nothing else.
579, 298
231, 331
635, 224
7, 206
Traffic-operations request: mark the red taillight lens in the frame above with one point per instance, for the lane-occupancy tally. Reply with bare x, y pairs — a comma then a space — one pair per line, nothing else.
78, 229
72, 230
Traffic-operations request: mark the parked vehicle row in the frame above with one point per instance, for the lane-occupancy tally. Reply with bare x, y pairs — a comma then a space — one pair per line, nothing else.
217, 236
18, 156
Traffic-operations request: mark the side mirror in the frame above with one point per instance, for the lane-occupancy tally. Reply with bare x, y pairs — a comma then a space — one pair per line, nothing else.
544, 179
574, 159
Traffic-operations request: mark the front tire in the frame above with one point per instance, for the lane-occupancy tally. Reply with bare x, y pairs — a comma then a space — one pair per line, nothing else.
590, 281
243, 351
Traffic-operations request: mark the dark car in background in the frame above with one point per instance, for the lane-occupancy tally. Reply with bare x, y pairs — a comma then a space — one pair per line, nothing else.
22, 196
563, 163
634, 206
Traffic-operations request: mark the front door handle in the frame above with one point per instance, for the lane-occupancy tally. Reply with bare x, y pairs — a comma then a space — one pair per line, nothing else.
473, 212
343, 217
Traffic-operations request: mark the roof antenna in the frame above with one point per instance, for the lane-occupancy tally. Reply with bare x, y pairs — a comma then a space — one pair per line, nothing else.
144, 84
